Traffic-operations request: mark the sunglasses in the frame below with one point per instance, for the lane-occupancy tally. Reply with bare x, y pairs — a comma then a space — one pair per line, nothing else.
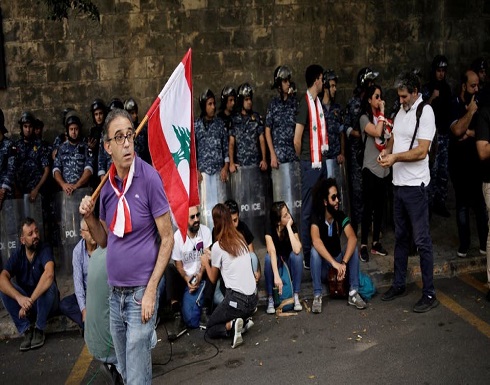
334, 197
197, 215
377, 96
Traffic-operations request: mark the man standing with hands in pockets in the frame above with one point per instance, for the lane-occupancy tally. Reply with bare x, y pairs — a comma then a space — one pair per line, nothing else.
135, 227
408, 154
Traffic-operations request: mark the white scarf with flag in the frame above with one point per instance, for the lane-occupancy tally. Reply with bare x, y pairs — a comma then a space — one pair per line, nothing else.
121, 222
318, 130
172, 144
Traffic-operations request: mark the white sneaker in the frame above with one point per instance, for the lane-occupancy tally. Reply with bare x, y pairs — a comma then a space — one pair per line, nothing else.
297, 304
237, 337
317, 304
247, 325
270, 307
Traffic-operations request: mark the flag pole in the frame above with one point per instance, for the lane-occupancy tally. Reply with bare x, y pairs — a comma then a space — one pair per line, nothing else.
96, 193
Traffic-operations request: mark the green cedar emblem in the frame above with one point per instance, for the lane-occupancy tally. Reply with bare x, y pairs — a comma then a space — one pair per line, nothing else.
184, 151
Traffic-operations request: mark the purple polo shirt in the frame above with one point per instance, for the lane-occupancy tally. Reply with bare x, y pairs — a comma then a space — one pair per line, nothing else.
131, 259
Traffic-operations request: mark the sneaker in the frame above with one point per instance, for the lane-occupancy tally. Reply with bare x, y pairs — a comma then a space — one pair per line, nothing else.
270, 307
25, 345
483, 252
317, 304
357, 301
426, 303
462, 254
237, 326
364, 255
297, 304
393, 292
247, 325
204, 318
37, 339
177, 329
306, 265
376, 248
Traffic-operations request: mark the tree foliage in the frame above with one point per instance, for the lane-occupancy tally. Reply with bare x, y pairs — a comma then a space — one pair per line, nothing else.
61, 9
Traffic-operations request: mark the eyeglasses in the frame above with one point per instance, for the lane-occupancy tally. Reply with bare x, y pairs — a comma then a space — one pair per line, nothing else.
120, 138
196, 215
334, 197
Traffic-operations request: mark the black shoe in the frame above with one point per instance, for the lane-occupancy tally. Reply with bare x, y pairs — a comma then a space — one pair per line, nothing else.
364, 254
426, 303
378, 249
26, 340
37, 339
306, 265
393, 292
177, 328
204, 318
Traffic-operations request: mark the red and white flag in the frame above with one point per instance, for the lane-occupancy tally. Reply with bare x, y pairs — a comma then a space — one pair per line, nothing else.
172, 144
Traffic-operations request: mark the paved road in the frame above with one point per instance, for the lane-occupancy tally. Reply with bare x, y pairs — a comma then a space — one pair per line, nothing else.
384, 344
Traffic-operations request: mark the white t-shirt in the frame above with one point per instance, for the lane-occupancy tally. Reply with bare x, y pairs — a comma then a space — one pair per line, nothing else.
237, 271
412, 173
190, 251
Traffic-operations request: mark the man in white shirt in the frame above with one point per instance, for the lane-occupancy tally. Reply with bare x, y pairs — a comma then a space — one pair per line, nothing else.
408, 155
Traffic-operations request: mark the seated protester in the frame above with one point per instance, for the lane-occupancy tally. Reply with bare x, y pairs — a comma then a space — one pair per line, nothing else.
188, 275
73, 306
247, 234
283, 246
229, 255
97, 330
34, 295
326, 227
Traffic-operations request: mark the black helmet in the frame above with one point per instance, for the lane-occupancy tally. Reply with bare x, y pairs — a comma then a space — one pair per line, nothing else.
245, 91
27, 117
72, 118
439, 61
2, 123
364, 74
65, 113
115, 103
203, 98
327, 76
131, 105
97, 104
225, 92
281, 73
38, 123
479, 64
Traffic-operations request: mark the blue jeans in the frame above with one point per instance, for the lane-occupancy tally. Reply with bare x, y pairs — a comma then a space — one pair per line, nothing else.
133, 340
295, 265
45, 306
309, 177
69, 307
319, 270
411, 209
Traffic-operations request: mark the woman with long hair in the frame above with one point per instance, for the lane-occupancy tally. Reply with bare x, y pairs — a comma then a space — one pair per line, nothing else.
283, 246
375, 133
230, 255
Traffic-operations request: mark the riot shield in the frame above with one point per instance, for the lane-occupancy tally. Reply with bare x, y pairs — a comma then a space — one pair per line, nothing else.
286, 186
211, 191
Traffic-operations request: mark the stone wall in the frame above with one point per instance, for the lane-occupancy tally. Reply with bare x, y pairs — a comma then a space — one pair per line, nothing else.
53, 65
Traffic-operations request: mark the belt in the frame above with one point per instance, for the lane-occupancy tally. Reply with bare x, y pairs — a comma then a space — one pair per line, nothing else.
243, 297
125, 289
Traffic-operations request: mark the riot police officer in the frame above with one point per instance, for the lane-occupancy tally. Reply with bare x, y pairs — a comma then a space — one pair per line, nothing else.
141, 141
7, 163
227, 106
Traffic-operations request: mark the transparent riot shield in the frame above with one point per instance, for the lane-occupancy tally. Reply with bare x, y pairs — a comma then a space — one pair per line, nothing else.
286, 186
68, 218
249, 190
211, 191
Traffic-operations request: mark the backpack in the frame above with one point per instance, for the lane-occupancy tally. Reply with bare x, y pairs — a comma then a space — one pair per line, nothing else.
433, 145
366, 286
285, 300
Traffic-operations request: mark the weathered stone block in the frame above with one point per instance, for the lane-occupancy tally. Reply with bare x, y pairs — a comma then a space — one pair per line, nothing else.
102, 48
16, 76
111, 69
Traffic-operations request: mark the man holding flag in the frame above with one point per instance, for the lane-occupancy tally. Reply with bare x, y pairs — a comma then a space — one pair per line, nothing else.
134, 213
140, 239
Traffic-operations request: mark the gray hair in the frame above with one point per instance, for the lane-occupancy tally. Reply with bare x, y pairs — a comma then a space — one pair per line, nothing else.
409, 81
113, 114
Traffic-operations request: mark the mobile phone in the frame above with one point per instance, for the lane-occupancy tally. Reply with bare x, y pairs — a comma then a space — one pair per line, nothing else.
193, 280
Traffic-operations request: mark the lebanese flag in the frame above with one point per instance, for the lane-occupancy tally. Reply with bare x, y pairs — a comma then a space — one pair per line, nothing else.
172, 144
